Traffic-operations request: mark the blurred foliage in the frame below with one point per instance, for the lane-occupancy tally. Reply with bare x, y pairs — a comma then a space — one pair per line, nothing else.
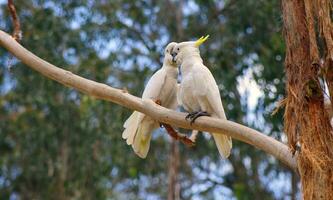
56, 143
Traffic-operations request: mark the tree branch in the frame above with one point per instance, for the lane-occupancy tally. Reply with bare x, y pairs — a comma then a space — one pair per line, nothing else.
148, 107
17, 34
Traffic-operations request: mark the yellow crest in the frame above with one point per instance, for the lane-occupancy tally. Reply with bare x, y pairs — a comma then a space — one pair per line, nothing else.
201, 40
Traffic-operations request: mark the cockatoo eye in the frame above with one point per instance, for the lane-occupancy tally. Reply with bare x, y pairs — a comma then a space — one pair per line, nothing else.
178, 48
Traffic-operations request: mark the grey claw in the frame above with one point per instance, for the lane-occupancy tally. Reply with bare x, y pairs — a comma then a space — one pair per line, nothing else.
197, 115
190, 115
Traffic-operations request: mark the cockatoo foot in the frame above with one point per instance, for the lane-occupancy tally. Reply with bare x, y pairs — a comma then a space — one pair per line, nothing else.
190, 115
194, 115
158, 102
187, 141
174, 134
178, 136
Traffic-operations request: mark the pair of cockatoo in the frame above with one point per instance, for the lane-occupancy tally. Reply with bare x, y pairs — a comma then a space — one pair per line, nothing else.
198, 93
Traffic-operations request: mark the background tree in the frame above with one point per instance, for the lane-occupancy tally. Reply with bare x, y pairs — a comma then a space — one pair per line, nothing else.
57, 142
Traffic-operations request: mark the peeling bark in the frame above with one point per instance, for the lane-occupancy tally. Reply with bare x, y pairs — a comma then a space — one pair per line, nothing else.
306, 123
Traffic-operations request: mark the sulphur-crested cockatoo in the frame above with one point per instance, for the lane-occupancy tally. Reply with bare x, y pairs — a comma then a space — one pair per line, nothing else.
161, 87
198, 91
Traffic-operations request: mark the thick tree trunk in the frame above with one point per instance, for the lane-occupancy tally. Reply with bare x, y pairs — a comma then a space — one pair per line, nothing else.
306, 122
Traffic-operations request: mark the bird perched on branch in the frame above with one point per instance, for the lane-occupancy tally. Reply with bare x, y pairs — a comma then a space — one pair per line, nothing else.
161, 88
198, 92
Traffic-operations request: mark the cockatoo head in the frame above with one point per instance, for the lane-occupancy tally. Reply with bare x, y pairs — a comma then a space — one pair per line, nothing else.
167, 54
183, 49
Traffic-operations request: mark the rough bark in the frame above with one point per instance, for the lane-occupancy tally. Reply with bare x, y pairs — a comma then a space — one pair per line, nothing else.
306, 123
323, 11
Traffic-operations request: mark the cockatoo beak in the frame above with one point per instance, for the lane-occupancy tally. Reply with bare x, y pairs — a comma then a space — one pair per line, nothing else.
174, 57
201, 40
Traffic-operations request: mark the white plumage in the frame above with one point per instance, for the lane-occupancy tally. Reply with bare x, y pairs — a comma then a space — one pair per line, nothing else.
198, 90
161, 86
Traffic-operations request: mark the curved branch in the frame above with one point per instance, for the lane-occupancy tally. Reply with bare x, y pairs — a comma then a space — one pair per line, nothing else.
148, 107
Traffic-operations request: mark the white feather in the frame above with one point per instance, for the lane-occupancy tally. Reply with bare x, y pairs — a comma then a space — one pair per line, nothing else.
199, 92
161, 86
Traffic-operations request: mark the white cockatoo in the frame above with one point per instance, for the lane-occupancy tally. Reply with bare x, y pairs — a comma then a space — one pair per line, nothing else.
198, 91
161, 87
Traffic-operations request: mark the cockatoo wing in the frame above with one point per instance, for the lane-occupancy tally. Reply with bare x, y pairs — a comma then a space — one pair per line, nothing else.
139, 127
155, 85
131, 125
210, 101
142, 138
208, 92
